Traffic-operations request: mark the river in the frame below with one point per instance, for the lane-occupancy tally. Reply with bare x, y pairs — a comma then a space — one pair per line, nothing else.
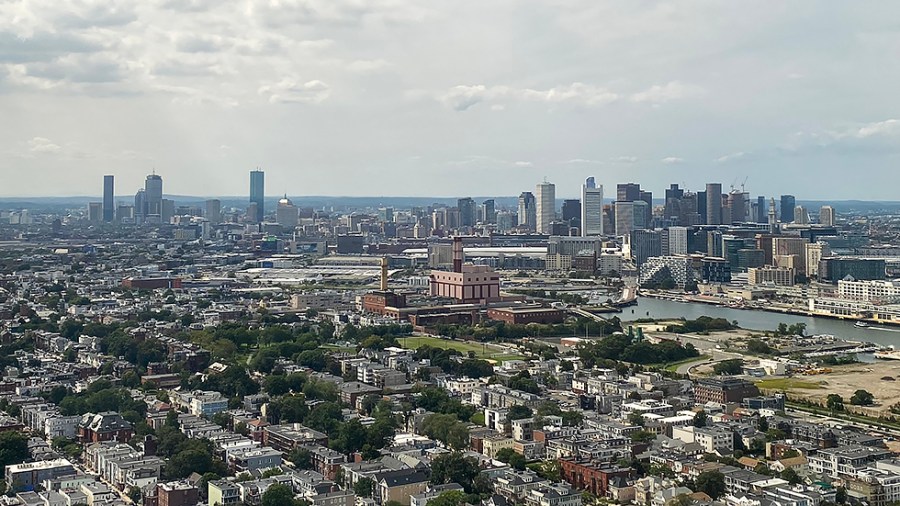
760, 320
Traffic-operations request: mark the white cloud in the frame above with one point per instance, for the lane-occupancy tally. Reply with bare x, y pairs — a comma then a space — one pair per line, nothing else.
672, 160
523, 164
731, 157
659, 94
291, 90
43, 145
886, 127
625, 159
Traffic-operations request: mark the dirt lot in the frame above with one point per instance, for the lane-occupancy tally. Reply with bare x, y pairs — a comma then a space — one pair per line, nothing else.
845, 380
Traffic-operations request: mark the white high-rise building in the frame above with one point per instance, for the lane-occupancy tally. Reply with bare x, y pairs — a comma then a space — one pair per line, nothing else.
545, 196
591, 208
678, 241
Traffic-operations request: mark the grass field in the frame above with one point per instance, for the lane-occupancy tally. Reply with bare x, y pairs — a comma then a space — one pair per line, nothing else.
788, 384
481, 351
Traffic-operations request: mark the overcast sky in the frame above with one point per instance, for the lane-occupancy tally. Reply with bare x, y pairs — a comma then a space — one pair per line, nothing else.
449, 98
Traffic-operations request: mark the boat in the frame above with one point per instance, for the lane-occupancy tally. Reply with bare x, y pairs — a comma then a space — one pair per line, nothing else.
861, 324
887, 355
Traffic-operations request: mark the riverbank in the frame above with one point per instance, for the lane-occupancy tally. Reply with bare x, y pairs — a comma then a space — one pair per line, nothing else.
661, 309
717, 302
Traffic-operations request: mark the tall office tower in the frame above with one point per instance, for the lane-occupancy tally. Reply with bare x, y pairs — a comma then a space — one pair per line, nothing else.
827, 216
386, 214
624, 218
642, 214
140, 205
214, 211
647, 197
545, 200
109, 204
701, 208
645, 244
788, 203
506, 221
713, 203
761, 209
467, 212
674, 194
167, 210
489, 211
571, 212
258, 193
714, 245
738, 203
801, 215
678, 241
286, 214
815, 252
628, 192
773, 222
527, 211
95, 212
591, 208
153, 192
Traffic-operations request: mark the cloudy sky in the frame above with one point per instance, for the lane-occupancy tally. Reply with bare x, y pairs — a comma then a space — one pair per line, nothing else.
449, 98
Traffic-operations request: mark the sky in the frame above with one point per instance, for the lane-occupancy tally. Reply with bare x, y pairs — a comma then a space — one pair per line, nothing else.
449, 97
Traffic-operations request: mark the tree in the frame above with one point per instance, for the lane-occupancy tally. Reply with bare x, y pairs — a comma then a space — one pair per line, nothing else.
700, 419
712, 483
454, 468
518, 412
635, 418
790, 476
278, 495
511, 457
364, 487
834, 402
134, 493
729, 367
449, 498
301, 458
840, 495
862, 398
13, 448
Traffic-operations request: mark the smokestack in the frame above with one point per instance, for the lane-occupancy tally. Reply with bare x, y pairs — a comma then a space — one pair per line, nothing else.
384, 274
457, 254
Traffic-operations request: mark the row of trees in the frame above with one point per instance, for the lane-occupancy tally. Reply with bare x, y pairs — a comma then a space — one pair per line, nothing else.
620, 347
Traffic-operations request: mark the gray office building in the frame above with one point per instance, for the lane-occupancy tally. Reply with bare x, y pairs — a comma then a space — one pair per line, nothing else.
109, 204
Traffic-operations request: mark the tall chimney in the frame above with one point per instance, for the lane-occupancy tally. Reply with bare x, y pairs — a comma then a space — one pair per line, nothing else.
384, 274
457, 254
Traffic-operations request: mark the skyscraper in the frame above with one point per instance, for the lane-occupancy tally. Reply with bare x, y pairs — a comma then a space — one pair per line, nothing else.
591, 208
628, 192
258, 193
545, 197
109, 204
788, 203
488, 211
153, 201
214, 211
527, 211
761, 210
140, 206
571, 212
826, 216
714, 203
467, 212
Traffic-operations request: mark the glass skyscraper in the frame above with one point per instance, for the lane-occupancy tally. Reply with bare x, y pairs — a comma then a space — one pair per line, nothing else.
258, 192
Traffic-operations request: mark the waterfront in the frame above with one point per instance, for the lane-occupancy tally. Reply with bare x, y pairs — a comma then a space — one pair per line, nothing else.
759, 320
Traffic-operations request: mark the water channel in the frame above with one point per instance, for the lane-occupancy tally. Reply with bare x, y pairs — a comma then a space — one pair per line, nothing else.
761, 320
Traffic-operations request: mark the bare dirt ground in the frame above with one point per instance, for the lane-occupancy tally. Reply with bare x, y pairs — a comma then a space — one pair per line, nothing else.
845, 380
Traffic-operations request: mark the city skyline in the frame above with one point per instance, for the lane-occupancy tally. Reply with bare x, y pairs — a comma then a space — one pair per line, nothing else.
321, 93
